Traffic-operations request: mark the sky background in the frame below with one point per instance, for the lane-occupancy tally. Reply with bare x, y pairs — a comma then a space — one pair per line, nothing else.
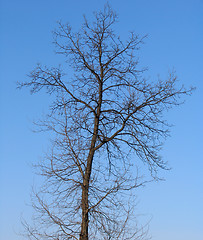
175, 37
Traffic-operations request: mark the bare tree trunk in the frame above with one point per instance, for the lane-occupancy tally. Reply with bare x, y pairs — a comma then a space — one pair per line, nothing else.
85, 190
84, 224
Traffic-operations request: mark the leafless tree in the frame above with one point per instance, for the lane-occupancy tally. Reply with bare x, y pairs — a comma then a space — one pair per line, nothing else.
102, 116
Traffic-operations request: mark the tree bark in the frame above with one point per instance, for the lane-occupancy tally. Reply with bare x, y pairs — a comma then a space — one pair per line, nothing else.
86, 180
85, 189
84, 224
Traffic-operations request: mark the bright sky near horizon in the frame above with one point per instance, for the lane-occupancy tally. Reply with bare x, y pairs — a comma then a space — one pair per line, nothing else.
175, 37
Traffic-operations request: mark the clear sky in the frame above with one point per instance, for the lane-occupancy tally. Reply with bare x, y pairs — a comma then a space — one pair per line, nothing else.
175, 30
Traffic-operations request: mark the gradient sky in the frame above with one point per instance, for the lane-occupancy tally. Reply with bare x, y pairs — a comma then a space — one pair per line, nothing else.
175, 38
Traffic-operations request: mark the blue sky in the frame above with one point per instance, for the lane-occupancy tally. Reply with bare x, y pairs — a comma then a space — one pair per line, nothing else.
175, 37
